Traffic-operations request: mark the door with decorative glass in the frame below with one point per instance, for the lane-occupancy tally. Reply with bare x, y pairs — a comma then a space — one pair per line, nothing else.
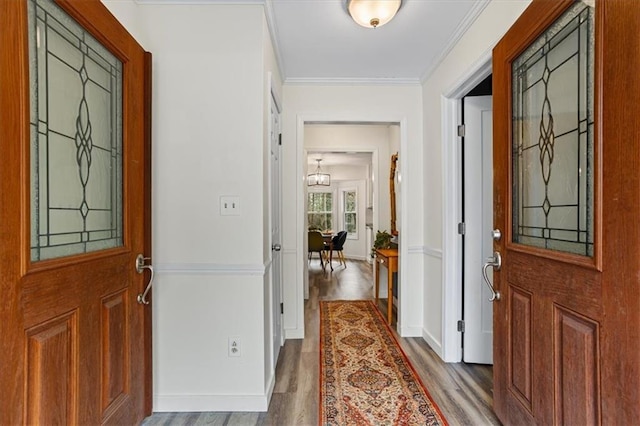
566, 198
72, 192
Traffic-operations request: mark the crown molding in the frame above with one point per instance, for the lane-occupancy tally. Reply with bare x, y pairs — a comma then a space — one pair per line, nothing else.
462, 28
353, 81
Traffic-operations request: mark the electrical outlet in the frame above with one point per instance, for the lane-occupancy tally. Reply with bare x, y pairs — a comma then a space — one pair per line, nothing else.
235, 347
229, 206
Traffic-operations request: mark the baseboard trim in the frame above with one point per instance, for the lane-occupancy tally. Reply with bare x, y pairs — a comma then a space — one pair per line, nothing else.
410, 331
353, 257
205, 403
270, 387
293, 333
433, 343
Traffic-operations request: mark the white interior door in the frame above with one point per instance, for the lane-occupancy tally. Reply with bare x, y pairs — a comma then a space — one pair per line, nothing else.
276, 231
478, 219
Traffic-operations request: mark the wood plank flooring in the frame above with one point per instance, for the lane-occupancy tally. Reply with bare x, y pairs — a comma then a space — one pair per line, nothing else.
462, 391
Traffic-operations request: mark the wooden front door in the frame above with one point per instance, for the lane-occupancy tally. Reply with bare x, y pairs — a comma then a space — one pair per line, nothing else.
72, 191
567, 196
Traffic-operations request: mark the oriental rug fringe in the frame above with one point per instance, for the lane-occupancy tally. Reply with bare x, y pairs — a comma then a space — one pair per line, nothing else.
365, 377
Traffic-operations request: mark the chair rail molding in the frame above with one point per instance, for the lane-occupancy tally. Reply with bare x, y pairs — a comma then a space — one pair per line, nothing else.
213, 268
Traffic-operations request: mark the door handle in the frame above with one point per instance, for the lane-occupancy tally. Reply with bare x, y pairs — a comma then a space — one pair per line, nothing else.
140, 267
276, 247
496, 262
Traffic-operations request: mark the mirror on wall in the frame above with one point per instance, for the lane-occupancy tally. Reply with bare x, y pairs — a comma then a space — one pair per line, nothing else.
392, 193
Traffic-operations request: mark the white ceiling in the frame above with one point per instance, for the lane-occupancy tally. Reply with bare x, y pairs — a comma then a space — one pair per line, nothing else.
317, 41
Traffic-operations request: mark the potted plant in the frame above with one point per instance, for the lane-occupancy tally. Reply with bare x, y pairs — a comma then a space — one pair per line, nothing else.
382, 241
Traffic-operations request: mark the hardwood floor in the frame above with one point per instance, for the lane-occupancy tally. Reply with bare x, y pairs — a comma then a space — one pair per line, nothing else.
462, 391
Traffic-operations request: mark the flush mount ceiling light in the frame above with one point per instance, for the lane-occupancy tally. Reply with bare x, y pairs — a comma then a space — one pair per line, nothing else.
318, 178
373, 13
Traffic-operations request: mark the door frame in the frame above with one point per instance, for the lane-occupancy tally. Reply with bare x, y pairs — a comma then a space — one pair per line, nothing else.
452, 205
301, 265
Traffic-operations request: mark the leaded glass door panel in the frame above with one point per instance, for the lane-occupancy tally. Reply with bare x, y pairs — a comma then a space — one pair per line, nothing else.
563, 193
72, 188
76, 132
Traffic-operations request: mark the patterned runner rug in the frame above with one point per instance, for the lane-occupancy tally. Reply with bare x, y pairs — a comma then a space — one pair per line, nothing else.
365, 377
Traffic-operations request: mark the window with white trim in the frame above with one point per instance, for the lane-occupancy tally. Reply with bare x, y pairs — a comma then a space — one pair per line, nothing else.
320, 210
350, 212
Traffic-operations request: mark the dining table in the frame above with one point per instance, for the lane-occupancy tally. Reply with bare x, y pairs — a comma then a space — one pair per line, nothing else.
328, 239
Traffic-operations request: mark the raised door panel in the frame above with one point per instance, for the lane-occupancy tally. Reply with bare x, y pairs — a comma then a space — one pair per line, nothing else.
576, 368
52, 372
521, 367
115, 376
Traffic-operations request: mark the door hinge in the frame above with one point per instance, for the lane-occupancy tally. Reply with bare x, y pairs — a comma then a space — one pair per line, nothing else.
462, 228
461, 130
461, 326
280, 139
281, 308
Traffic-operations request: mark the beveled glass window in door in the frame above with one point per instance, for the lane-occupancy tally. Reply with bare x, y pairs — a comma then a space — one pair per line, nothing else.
553, 133
76, 137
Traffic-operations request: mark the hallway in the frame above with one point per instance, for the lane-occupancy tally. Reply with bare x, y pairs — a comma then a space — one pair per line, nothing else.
462, 391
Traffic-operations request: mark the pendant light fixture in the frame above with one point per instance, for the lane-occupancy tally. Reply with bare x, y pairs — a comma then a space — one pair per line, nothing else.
318, 178
373, 13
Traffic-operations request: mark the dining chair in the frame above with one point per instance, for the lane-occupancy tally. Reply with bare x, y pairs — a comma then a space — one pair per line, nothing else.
337, 244
316, 244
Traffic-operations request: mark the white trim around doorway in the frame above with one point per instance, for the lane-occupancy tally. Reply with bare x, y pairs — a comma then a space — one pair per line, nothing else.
452, 247
345, 118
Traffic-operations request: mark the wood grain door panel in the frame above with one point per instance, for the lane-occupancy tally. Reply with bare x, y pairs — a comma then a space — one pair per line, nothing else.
576, 368
52, 371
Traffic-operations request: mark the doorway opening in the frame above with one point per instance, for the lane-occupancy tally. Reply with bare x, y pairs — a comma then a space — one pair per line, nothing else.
357, 156
476, 188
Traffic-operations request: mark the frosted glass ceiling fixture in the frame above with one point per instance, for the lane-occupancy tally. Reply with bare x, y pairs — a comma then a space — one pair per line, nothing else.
373, 13
318, 178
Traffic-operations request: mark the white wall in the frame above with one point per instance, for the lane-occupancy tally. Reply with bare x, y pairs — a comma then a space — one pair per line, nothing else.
442, 298
210, 64
342, 103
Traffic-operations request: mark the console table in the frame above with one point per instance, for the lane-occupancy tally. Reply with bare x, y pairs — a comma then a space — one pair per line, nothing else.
388, 258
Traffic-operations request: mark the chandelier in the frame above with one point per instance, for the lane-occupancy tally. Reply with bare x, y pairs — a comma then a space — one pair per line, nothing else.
318, 178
